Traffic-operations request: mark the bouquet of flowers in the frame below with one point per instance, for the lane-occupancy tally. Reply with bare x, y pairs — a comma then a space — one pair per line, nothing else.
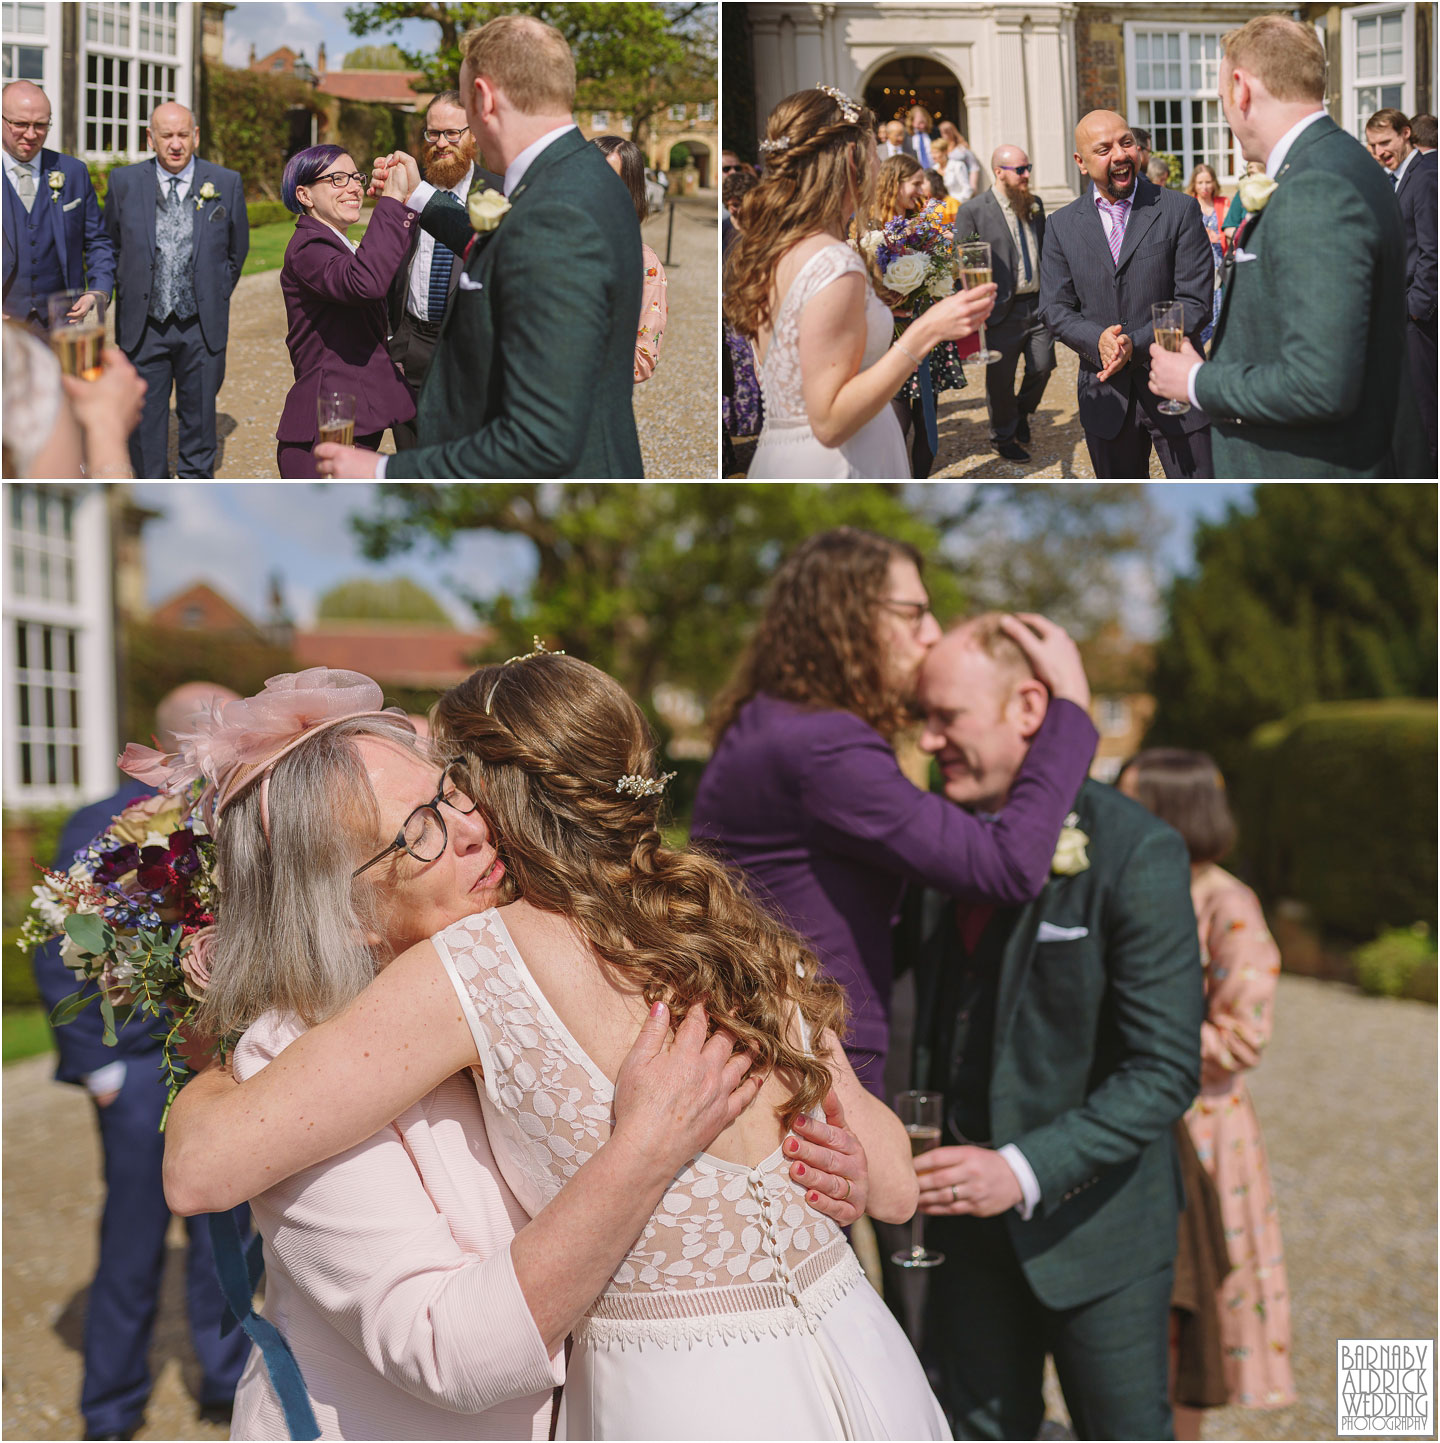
133, 911
913, 257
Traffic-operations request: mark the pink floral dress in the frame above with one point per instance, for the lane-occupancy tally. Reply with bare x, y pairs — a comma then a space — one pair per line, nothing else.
1242, 964
654, 311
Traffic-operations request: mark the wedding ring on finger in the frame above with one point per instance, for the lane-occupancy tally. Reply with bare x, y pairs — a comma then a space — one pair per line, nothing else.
954, 1192
848, 1191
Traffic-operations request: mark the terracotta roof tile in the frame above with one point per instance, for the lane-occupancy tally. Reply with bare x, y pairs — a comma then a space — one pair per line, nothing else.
397, 654
389, 87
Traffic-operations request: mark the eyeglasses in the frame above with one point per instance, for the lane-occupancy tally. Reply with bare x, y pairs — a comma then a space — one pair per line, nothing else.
20, 127
913, 612
452, 137
1018, 169
423, 834
341, 179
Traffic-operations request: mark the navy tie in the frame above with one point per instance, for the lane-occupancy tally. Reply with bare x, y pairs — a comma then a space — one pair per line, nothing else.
1024, 250
1395, 178
440, 263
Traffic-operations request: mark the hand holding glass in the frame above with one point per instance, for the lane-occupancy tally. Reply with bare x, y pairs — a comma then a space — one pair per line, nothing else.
77, 339
975, 269
921, 1114
336, 417
1169, 318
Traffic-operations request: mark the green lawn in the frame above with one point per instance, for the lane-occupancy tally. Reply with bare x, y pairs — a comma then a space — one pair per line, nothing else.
268, 242
26, 1034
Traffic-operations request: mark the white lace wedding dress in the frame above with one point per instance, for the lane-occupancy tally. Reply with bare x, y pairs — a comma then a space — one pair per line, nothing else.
739, 1312
787, 449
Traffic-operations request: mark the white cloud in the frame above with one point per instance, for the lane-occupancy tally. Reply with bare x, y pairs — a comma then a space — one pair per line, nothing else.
269, 25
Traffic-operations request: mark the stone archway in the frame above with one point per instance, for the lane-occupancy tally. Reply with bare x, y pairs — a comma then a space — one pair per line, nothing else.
701, 155
916, 79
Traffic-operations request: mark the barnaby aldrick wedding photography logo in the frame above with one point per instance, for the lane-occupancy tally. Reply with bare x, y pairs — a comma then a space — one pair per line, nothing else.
1385, 1389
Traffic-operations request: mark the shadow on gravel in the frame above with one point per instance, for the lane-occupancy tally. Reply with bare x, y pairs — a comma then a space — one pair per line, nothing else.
224, 427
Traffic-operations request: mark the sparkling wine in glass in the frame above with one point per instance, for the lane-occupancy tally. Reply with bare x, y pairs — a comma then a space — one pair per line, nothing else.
1169, 318
77, 341
921, 1113
336, 415
976, 270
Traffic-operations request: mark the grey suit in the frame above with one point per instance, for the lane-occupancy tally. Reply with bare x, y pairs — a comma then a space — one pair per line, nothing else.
188, 352
1165, 256
1015, 327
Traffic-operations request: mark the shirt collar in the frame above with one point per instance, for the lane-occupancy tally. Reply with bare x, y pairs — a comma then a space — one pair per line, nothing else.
1276, 158
1109, 205
33, 166
186, 177
1404, 165
515, 171
461, 189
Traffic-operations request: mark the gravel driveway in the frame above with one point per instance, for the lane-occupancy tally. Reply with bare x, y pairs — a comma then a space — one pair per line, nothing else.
1346, 1095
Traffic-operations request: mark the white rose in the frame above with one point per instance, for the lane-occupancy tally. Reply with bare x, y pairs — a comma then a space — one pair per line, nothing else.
487, 209
870, 242
1070, 855
941, 285
905, 273
1255, 192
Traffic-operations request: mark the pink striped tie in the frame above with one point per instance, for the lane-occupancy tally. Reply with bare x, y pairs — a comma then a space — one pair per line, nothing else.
1117, 212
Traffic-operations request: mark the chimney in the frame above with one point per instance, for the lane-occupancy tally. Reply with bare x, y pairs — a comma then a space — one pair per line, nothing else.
320, 62
252, 55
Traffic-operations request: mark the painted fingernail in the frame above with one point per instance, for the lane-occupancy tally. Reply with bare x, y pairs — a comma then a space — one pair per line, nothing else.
799, 1122
658, 1010
813, 1197
791, 1145
799, 1169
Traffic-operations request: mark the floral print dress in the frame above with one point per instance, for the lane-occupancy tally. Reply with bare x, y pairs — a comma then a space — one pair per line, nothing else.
1242, 964
654, 311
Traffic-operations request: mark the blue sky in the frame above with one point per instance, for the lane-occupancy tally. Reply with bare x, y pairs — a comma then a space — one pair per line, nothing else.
268, 26
233, 535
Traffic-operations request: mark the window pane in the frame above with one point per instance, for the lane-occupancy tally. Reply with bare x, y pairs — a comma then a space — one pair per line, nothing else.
107, 34
1366, 64
22, 645
1366, 31
1142, 75
70, 647
1391, 96
1142, 47
92, 24
1365, 103
1390, 29
32, 20
27, 773
1173, 41
1391, 62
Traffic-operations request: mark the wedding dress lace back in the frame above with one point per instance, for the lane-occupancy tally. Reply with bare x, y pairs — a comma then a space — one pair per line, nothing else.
788, 448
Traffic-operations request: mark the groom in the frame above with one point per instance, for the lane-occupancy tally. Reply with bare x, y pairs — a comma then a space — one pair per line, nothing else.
533, 374
1065, 1038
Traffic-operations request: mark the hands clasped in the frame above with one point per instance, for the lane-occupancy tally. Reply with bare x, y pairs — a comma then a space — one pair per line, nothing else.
966, 1181
1116, 349
395, 175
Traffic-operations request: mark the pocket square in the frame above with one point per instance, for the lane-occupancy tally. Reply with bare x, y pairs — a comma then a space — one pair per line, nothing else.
79, 201
1242, 255
1049, 932
466, 284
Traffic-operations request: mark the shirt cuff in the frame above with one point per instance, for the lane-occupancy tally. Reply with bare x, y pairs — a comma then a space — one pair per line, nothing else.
110, 1078
419, 198
1190, 383
380, 467
1025, 1176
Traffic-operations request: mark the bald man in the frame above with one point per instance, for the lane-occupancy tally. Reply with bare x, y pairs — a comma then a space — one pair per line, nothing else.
125, 1086
53, 237
1123, 246
180, 227
1012, 220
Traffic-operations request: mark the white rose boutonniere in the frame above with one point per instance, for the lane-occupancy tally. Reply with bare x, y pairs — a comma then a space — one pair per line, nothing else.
1070, 856
56, 181
207, 192
1255, 192
487, 209
906, 272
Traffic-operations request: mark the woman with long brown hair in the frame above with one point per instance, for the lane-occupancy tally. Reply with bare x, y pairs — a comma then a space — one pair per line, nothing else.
828, 361
737, 1311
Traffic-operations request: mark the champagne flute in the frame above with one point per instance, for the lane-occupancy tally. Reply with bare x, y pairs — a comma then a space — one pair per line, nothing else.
1169, 318
77, 341
335, 411
921, 1113
976, 270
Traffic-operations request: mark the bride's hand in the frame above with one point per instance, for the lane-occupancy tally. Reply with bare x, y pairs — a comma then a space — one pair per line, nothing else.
675, 1095
828, 1161
962, 313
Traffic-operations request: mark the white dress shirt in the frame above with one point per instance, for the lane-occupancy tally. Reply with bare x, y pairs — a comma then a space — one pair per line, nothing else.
417, 299
186, 178
1404, 165
1032, 241
13, 167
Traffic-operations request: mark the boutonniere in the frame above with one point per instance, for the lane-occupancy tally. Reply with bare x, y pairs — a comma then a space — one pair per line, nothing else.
56, 182
1255, 192
207, 192
1070, 856
487, 209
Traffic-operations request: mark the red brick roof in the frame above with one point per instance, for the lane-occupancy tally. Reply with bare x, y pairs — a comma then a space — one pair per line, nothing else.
409, 654
387, 87
201, 608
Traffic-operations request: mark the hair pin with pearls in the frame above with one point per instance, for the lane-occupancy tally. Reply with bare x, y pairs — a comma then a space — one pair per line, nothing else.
637, 786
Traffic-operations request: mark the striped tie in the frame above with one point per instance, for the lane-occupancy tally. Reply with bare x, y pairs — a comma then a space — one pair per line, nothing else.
440, 263
1117, 213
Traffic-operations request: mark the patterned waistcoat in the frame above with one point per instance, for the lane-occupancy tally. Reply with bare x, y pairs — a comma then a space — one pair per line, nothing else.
174, 284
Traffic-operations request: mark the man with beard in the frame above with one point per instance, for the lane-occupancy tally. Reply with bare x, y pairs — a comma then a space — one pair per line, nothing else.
1013, 222
422, 289
1122, 247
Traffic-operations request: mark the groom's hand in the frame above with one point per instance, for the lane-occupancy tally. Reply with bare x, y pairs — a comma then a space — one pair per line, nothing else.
1170, 370
346, 463
966, 1181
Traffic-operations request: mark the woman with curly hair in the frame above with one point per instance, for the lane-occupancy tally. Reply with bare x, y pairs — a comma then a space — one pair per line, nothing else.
738, 1309
829, 361
804, 794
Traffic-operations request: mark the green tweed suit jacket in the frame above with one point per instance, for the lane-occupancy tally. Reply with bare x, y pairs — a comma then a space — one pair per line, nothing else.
1095, 1052
533, 373
1308, 374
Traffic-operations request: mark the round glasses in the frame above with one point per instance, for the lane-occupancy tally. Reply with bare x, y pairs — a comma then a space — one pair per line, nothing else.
912, 613
452, 137
423, 834
341, 178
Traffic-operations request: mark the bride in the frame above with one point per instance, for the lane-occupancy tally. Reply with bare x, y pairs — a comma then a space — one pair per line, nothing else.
828, 365
739, 1311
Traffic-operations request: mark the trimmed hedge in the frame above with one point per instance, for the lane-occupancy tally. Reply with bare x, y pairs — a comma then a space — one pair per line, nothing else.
1336, 806
266, 212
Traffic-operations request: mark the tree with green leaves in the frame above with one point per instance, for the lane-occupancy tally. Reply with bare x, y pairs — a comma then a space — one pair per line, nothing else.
367, 599
375, 57
1321, 592
633, 58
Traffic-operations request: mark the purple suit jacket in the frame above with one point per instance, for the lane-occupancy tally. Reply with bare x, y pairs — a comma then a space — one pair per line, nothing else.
335, 305
814, 809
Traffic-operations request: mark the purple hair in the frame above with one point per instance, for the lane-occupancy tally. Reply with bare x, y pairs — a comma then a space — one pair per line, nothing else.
305, 167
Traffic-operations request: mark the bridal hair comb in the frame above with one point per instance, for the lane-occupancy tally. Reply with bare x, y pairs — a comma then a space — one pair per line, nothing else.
771, 147
849, 109
540, 650
637, 786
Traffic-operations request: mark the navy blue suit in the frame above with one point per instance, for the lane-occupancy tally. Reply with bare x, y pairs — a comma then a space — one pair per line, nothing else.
125, 1292
189, 354
53, 246
1416, 194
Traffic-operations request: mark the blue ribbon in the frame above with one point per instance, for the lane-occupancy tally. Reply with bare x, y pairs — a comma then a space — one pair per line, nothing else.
927, 404
239, 1270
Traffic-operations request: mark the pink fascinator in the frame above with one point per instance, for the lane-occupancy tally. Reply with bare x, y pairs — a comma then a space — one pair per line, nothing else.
233, 744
